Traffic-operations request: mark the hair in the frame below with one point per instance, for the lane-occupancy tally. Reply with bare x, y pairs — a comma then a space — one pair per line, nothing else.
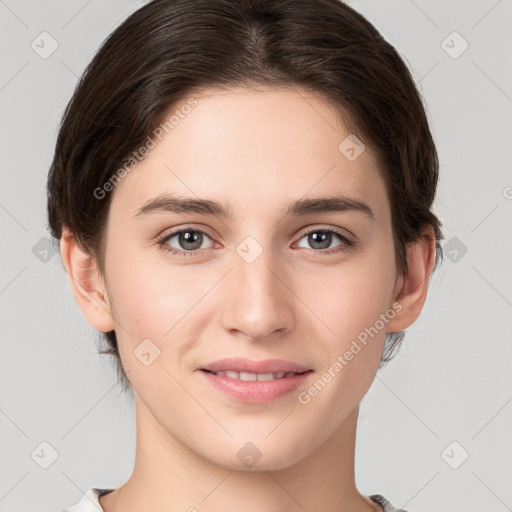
168, 49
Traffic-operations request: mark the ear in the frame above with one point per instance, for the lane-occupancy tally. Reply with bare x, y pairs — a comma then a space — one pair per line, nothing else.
411, 290
88, 286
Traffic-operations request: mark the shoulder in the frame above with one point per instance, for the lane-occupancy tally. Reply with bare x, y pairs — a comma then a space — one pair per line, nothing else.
385, 504
90, 501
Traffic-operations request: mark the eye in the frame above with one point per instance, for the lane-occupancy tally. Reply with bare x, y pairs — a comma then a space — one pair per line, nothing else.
188, 240
321, 239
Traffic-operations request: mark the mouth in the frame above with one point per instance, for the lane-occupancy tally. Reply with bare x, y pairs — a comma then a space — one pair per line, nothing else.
255, 381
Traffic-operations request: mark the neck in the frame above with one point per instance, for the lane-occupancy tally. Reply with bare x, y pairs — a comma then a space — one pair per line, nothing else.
167, 476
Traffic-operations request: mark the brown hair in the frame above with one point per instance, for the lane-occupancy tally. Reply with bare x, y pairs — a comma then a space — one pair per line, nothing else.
169, 48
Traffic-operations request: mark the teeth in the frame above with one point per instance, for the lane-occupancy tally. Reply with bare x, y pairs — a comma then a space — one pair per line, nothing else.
247, 376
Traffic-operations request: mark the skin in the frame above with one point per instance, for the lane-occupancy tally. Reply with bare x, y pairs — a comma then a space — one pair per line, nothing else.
256, 150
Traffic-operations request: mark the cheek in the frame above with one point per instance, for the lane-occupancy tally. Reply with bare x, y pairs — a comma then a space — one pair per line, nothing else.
149, 302
356, 309
155, 316
352, 297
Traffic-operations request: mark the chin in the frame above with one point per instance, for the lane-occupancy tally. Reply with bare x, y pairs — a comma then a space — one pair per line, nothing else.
258, 455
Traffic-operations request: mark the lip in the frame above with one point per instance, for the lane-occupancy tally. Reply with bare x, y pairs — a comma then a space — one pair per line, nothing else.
255, 392
239, 364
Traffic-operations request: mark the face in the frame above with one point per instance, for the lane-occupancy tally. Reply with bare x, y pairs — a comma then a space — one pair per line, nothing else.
266, 281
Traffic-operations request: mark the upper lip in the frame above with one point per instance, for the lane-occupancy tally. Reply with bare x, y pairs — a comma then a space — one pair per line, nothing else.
239, 364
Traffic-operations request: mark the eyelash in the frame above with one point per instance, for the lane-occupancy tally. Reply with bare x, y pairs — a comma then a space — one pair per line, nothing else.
347, 243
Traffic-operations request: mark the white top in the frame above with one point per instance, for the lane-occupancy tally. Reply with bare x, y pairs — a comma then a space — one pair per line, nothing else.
90, 502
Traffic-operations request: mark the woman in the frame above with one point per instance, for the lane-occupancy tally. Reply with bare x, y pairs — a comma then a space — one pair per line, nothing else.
242, 194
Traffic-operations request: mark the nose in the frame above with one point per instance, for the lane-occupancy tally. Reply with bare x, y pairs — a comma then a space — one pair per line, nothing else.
258, 300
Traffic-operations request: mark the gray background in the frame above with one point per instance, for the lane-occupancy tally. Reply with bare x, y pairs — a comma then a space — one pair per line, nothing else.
451, 381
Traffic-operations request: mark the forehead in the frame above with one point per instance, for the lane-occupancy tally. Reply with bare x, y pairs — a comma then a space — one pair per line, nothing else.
256, 148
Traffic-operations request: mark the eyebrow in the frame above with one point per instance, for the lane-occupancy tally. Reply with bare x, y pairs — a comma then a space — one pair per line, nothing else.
327, 204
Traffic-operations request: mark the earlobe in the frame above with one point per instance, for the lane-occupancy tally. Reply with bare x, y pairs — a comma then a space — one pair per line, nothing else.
86, 283
411, 289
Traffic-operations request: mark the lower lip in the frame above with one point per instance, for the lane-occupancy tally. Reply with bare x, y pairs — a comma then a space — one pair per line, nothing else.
256, 391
